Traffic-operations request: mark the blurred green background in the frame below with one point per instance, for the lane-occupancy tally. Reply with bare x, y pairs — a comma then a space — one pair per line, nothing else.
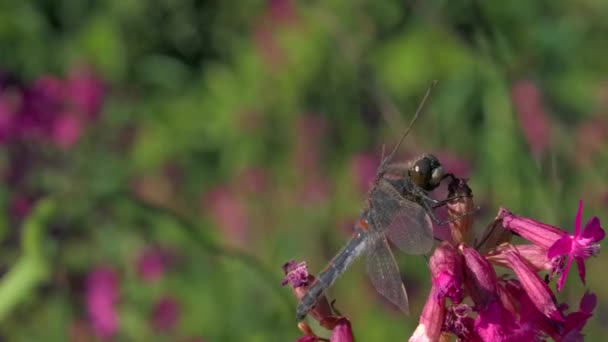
170, 156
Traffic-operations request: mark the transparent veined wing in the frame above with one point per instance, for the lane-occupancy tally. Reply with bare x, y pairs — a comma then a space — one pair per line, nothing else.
404, 222
384, 272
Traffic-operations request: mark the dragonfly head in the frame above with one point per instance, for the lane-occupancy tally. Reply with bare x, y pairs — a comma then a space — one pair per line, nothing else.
427, 172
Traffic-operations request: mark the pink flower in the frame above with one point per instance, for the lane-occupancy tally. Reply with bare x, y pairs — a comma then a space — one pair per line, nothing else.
446, 270
480, 278
228, 213
67, 128
308, 338
495, 322
535, 256
283, 11
579, 246
165, 314
575, 321
534, 286
363, 168
541, 234
533, 117
152, 263
342, 332
296, 274
458, 322
431, 319
101, 298
85, 91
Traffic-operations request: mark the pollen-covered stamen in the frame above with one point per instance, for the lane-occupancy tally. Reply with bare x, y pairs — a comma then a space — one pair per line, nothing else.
458, 322
585, 248
296, 274
557, 267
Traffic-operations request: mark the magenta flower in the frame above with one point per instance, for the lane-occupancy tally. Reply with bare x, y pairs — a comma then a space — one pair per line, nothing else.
165, 314
480, 278
495, 322
459, 323
534, 286
342, 332
66, 130
579, 246
541, 234
229, 214
431, 319
363, 168
152, 263
533, 118
296, 274
85, 91
446, 272
101, 299
308, 338
575, 321
508, 307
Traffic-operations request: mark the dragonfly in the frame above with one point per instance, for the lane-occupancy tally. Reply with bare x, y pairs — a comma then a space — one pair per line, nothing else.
399, 210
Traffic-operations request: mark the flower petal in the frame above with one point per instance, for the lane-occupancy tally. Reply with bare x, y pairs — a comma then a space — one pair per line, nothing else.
539, 233
561, 246
581, 269
593, 230
588, 302
342, 332
535, 287
562, 278
480, 277
431, 319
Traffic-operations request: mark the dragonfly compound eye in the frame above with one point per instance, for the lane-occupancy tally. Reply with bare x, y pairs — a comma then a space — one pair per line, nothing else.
427, 172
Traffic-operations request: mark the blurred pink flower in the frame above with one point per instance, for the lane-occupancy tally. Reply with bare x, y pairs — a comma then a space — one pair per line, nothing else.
50, 108
101, 299
282, 11
228, 213
254, 180
272, 54
152, 263
363, 168
459, 166
309, 133
533, 118
85, 91
165, 314
314, 185
67, 129
20, 206
592, 137
6, 116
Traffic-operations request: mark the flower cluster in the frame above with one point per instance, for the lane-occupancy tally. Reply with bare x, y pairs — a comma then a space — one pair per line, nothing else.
520, 305
469, 299
47, 113
49, 109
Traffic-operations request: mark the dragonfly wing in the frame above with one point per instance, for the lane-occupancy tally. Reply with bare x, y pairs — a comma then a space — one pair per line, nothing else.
404, 222
384, 273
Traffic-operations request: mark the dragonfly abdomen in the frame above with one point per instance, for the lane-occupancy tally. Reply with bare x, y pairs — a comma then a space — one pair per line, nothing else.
338, 265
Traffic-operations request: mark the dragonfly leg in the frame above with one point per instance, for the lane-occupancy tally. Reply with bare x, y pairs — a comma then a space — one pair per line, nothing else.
457, 217
433, 204
437, 204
